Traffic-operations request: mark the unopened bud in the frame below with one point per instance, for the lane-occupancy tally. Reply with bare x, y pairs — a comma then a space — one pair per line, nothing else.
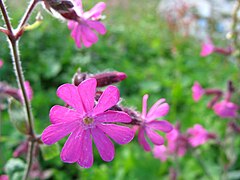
63, 7
107, 78
21, 149
79, 77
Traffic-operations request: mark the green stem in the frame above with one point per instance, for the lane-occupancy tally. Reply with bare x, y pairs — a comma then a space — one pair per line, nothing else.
201, 164
29, 160
13, 43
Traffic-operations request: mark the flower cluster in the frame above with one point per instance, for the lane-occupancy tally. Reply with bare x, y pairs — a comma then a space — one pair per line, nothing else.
93, 114
179, 143
224, 108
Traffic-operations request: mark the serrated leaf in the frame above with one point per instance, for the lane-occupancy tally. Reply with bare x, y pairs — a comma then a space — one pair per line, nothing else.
50, 152
17, 116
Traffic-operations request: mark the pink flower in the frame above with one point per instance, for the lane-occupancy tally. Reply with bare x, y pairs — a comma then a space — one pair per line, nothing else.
150, 124
177, 143
86, 121
83, 28
4, 177
225, 109
29, 91
197, 91
198, 135
207, 48
1, 63
160, 152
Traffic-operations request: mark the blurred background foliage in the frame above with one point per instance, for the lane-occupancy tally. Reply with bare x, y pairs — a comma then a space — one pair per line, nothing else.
156, 61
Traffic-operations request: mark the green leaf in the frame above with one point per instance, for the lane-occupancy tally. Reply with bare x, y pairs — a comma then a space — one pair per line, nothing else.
14, 166
17, 116
50, 152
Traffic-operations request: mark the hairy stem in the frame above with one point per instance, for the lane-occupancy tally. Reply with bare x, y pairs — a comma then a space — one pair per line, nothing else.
27, 14
21, 79
13, 44
5, 17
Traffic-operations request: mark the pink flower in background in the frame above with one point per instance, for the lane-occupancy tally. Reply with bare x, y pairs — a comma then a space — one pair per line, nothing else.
88, 22
197, 135
4, 177
150, 124
207, 48
160, 152
177, 143
197, 91
86, 121
225, 109
29, 91
1, 63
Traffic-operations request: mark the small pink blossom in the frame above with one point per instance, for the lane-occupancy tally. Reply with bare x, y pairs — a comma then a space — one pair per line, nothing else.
225, 109
197, 135
83, 28
207, 48
29, 91
1, 63
86, 121
197, 91
160, 152
177, 143
150, 124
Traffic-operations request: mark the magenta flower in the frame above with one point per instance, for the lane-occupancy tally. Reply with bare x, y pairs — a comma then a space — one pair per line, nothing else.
207, 48
225, 109
4, 177
197, 135
160, 152
150, 124
177, 143
86, 121
1, 63
29, 91
83, 28
197, 91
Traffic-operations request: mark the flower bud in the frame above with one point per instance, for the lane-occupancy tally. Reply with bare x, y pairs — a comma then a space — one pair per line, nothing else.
107, 78
78, 77
17, 116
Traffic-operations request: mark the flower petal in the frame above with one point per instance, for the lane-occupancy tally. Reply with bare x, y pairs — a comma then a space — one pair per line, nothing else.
98, 26
120, 134
60, 114
142, 140
154, 137
109, 98
55, 132
71, 149
113, 116
69, 94
86, 153
87, 91
104, 144
96, 11
144, 106
157, 111
163, 126
88, 36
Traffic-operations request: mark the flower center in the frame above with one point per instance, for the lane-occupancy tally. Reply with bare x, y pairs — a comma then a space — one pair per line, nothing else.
88, 120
